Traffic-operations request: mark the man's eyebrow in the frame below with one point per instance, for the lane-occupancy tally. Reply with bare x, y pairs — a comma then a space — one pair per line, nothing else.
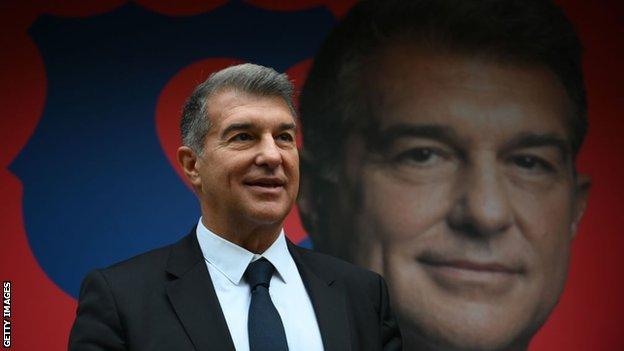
529, 139
234, 127
384, 138
247, 126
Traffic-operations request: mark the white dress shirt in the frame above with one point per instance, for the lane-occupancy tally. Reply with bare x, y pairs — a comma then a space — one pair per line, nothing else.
227, 263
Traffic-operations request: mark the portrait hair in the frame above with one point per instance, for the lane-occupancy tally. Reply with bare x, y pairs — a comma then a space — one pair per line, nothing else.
522, 32
246, 78
334, 104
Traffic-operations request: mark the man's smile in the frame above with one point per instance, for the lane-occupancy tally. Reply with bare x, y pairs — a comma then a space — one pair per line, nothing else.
265, 185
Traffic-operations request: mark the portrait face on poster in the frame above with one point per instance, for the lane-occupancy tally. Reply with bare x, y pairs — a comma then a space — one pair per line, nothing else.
454, 179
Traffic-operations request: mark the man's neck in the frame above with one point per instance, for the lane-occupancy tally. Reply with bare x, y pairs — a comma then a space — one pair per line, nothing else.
255, 238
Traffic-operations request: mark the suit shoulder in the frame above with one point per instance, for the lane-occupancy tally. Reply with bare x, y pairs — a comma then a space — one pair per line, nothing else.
147, 266
129, 281
144, 261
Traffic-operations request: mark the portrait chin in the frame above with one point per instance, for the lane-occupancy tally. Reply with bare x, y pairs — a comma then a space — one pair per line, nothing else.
447, 321
450, 310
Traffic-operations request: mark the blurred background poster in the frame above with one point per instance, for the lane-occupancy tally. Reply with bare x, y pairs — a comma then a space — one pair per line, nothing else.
90, 105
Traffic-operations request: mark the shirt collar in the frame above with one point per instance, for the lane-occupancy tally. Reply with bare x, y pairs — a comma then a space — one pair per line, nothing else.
232, 260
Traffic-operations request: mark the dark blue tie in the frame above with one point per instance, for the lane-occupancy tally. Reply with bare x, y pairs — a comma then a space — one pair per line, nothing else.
266, 331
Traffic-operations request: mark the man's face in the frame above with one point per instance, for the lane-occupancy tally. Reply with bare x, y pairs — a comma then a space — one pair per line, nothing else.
249, 168
467, 198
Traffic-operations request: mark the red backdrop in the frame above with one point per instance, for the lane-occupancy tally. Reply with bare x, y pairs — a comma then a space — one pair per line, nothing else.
590, 314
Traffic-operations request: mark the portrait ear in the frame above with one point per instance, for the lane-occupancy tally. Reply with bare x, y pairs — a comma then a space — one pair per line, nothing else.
187, 159
305, 199
581, 193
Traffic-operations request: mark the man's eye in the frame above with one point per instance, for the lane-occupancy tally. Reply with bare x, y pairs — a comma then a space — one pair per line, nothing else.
532, 163
242, 137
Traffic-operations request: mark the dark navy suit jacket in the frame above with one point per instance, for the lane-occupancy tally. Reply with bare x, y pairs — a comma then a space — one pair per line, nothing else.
165, 300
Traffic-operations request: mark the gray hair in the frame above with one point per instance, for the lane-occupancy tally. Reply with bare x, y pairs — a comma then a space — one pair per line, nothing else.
246, 78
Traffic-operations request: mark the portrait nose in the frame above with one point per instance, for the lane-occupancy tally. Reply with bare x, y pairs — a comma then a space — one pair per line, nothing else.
268, 154
482, 206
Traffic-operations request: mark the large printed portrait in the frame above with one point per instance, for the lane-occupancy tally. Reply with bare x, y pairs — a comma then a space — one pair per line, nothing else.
467, 151
440, 147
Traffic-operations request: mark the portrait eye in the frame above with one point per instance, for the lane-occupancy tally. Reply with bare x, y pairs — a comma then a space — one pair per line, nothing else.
285, 137
422, 161
420, 155
532, 163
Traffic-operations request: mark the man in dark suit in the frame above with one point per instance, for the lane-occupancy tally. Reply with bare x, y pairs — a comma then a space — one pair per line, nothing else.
236, 282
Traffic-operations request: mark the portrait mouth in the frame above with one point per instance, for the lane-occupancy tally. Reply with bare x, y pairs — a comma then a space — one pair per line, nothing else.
464, 273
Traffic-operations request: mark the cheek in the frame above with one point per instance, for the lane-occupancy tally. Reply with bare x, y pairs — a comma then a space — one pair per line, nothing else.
400, 209
544, 219
291, 168
292, 165
226, 175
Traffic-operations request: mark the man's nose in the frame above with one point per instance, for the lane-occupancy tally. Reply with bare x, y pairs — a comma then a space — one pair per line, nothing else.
482, 206
268, 153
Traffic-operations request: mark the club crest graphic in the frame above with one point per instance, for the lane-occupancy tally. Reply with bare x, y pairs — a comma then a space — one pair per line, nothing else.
98, 185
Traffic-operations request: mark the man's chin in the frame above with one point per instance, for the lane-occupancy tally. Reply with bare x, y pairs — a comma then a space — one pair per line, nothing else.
268, 213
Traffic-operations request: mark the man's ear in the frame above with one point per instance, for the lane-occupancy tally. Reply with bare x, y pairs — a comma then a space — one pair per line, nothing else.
581, 193
188, 159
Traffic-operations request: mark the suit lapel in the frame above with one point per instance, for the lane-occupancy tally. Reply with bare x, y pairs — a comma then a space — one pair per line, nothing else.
328, 301
194, 299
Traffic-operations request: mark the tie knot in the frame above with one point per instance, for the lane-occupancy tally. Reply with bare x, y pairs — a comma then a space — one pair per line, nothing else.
259, 272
